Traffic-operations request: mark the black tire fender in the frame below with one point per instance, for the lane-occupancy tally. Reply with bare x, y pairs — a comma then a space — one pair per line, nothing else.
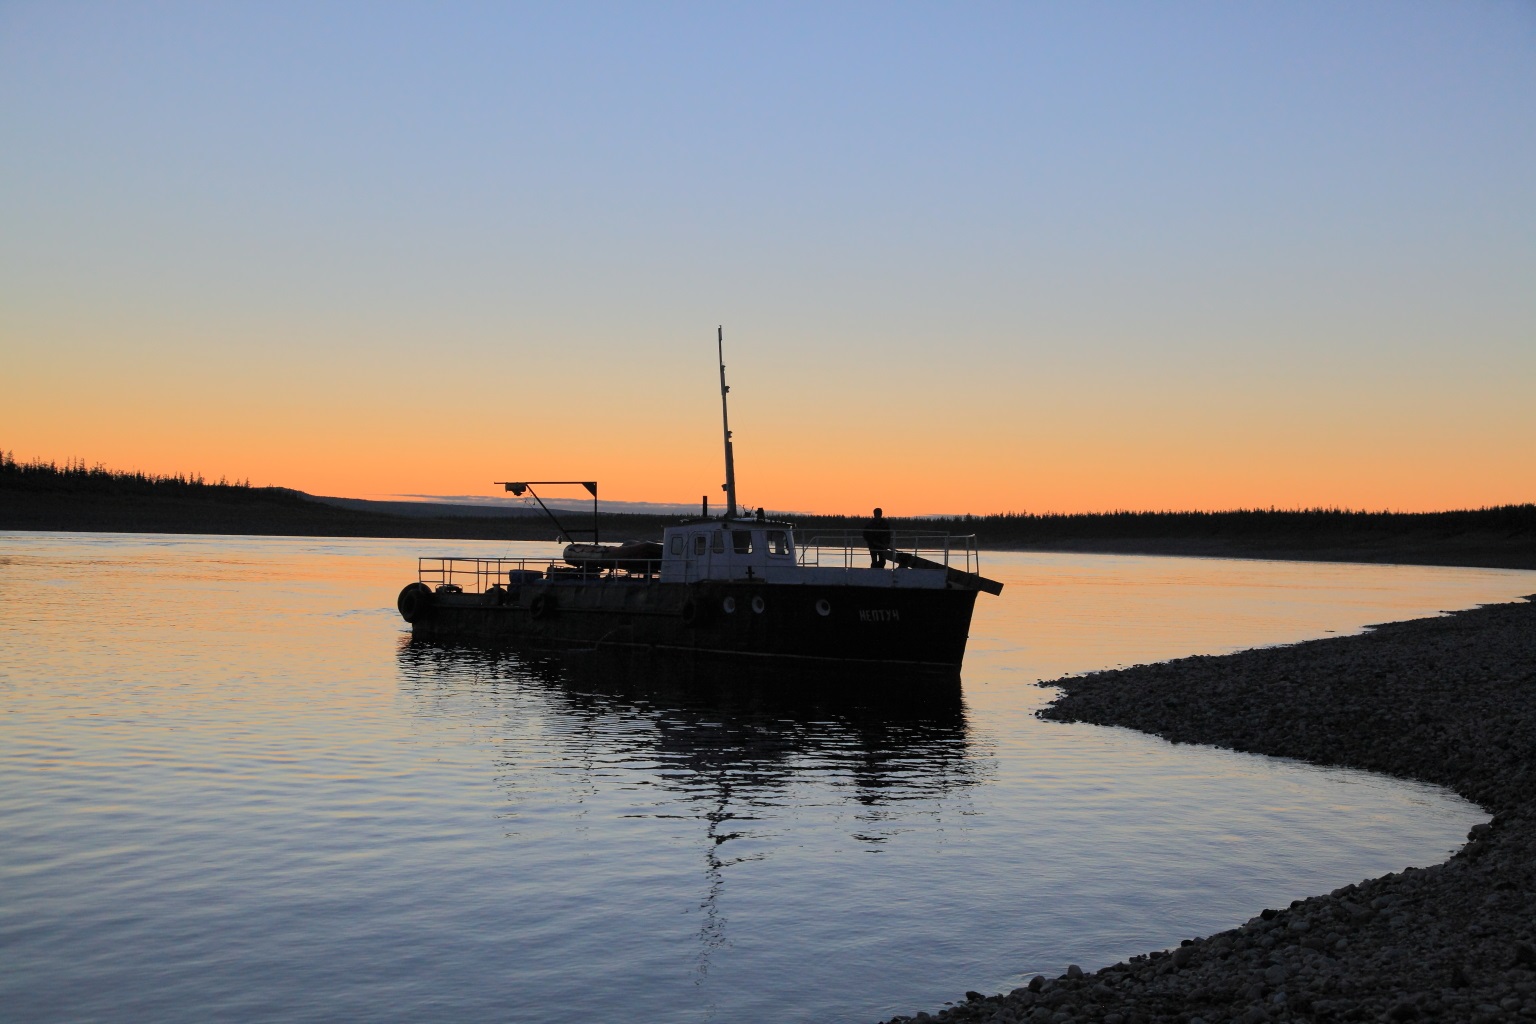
541, 606
413, 601
689, 611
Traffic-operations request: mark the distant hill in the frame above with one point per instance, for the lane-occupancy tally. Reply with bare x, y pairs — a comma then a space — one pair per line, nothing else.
427, 508
1500, 537
74, 497
424, 509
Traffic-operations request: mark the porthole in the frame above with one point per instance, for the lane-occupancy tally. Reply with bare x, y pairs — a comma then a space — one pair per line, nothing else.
823, 607
758, 605
729, 604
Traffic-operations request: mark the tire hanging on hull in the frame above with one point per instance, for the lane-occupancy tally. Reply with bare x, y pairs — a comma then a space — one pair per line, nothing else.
414, 601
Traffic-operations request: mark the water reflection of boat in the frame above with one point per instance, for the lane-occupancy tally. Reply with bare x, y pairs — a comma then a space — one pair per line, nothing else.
798, 709
747, 731
727, 750
739, 586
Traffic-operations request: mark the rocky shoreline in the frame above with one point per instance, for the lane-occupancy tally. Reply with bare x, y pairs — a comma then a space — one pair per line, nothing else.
1448, 700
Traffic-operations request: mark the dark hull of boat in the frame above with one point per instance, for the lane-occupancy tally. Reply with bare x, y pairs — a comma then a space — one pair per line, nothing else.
846, 625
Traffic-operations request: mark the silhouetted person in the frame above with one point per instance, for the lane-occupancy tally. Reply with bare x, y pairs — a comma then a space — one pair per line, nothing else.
877, 534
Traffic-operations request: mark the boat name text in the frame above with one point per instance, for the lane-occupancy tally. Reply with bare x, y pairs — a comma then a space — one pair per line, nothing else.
879, 615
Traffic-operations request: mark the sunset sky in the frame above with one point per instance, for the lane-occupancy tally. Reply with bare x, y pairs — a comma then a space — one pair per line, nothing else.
976, 257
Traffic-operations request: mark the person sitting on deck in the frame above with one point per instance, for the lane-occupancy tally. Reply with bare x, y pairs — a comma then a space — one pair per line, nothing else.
877, 534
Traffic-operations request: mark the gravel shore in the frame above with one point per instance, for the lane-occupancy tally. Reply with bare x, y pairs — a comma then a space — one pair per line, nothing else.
1449, 700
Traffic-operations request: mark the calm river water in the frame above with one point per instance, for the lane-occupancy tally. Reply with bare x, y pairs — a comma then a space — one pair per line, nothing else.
231, 789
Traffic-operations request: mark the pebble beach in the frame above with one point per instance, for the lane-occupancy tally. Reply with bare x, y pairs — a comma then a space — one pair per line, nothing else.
1449, 700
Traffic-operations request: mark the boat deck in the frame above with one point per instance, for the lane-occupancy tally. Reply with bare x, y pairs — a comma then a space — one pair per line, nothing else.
836, 558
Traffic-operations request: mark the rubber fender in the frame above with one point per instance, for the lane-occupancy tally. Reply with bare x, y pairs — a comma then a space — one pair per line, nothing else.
496, 595
689, 612
413, 601
541, 606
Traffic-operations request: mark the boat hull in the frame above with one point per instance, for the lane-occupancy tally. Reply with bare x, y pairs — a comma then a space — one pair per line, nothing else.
736, 619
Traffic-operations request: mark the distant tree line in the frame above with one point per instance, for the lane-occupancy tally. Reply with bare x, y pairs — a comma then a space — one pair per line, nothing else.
75, 472
1026, 527
46, 495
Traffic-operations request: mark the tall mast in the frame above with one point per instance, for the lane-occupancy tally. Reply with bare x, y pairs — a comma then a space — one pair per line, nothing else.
725, 419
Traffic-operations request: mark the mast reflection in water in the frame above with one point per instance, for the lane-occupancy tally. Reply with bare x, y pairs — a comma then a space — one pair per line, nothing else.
757, 762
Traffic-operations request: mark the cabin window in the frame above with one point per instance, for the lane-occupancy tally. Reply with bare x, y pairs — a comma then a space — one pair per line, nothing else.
717, 542
700, 542
778, 542
741, 541
677, 545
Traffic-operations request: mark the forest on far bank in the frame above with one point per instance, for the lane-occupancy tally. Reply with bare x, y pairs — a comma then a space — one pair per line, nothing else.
77, 497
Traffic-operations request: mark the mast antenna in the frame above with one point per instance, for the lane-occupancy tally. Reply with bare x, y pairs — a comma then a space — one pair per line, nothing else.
730, 459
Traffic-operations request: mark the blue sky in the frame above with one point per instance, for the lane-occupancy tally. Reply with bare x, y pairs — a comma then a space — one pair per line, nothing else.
1095, 255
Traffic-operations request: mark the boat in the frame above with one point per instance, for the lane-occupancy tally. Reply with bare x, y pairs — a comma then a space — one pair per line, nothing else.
739, 586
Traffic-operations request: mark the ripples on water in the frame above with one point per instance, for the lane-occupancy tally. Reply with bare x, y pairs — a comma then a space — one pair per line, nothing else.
232, 788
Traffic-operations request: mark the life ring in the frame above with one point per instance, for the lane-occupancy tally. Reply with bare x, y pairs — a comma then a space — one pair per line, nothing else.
541, 606
689, 612
413, 601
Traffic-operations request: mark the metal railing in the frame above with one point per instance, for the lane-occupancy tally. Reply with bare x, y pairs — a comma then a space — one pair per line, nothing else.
477, 575
847, 549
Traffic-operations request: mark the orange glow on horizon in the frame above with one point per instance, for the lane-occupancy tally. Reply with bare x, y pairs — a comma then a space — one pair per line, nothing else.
794, 476
1062, 435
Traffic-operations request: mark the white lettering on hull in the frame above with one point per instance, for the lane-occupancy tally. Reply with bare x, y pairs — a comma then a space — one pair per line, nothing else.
879, 615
